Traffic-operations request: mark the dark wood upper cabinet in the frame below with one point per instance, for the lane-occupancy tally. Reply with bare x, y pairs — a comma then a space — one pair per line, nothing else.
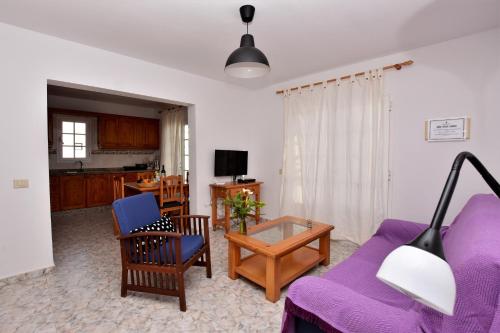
126, 132
119, 132
152, 133
50, 129
108, 132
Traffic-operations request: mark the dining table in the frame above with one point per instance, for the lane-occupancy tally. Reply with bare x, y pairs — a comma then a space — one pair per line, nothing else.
133, 188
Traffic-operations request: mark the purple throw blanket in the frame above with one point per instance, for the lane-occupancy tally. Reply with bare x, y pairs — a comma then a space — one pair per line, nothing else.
349, 298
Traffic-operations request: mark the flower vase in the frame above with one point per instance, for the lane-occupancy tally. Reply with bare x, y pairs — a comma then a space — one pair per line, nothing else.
243, 226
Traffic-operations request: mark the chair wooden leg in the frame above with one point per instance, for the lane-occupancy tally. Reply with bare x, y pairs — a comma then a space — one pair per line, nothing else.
208, 262
182, 292
124, 283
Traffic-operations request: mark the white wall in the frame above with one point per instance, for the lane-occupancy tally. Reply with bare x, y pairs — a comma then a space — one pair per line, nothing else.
221, 116
454, 78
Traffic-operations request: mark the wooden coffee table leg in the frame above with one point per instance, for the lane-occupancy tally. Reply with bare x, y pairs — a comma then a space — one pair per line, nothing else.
234, 257
214, 210
324, 248
273, 288
227, 221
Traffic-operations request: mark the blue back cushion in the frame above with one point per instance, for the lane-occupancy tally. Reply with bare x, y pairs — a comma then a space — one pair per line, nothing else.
136, 211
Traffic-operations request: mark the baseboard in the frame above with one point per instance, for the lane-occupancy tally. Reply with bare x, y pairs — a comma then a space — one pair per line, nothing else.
25, 276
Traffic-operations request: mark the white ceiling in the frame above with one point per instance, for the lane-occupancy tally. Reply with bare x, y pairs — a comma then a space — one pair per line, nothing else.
299, 37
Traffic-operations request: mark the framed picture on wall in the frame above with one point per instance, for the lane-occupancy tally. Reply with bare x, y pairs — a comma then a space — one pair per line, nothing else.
447, 129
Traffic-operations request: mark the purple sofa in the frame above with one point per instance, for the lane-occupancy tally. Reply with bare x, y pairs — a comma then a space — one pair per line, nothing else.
349, 298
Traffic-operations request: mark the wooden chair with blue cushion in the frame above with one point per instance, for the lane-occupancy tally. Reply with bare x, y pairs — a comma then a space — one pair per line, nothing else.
155, 261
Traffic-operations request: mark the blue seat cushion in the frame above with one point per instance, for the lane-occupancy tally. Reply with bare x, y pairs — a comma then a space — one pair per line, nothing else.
190, 244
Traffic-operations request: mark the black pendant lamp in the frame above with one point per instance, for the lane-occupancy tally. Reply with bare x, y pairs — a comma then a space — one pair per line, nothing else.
247, 61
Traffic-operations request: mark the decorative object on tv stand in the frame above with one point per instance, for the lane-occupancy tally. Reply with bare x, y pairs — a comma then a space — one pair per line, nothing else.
419, 268
247, 61
242, 205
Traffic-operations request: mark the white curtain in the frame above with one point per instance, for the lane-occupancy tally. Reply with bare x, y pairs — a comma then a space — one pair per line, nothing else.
335, 159
172, 127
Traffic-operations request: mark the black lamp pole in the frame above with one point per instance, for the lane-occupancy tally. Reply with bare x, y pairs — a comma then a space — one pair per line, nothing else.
430, 239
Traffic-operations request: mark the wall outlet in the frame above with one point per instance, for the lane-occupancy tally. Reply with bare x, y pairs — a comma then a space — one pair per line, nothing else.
21, 183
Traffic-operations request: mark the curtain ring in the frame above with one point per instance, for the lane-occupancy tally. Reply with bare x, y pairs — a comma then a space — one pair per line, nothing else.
353, 78
373, 73
338, 81
299, 90
367, 75
380, 72
324, 84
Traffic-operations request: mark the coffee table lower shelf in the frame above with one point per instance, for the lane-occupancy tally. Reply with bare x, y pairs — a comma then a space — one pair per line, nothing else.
289, 267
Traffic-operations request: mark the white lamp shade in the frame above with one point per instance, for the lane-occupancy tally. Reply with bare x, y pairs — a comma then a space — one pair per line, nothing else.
421, 275
247, 70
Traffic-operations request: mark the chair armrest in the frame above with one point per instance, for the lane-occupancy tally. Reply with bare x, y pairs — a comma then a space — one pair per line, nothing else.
152, 248
192, 225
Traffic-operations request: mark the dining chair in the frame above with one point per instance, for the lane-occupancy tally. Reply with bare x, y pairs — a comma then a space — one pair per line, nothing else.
118, 193
172, 194
118, 187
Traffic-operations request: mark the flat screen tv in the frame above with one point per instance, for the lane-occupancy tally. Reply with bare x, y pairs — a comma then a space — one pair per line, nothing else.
230, 163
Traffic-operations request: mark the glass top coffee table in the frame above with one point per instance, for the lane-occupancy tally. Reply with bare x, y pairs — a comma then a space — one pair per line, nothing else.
280, 252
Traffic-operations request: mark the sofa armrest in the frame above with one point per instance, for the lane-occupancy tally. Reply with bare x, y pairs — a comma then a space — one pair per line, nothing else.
399, 231
332, 307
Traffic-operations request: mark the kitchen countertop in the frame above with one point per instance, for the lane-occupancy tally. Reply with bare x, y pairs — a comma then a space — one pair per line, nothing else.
66, 172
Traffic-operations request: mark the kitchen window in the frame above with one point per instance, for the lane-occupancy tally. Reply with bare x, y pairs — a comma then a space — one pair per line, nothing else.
74, 138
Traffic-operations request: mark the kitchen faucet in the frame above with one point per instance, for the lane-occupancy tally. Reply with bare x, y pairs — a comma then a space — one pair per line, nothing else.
81, 165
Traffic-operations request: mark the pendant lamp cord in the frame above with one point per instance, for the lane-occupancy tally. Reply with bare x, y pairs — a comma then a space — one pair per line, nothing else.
247, 28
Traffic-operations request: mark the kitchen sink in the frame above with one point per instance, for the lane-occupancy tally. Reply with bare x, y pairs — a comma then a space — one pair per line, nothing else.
73, 172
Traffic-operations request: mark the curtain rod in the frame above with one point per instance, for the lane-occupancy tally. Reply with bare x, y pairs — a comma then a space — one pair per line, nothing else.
396, 66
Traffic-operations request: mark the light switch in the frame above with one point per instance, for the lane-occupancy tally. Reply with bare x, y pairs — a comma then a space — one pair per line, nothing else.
21, 183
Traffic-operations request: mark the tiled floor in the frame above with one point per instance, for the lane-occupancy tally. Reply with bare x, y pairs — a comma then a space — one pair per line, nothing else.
82, 293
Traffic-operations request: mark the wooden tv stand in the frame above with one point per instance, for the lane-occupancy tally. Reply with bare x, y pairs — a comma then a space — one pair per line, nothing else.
222, 191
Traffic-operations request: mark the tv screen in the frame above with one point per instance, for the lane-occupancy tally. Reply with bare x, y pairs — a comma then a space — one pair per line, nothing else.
230, 163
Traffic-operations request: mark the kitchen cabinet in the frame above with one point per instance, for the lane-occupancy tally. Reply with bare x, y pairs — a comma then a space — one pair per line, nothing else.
108, 132
50, 129
152, 133
85, 190
119, 132
116, 132
72, 192
55, 197
126, 132
99, 190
